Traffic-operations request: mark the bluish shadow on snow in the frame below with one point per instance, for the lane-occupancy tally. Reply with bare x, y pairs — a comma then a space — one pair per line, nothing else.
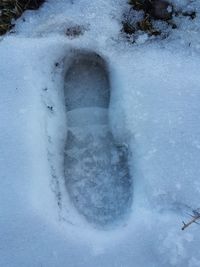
96, 168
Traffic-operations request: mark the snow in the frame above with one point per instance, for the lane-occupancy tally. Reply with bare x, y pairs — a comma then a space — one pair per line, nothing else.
154, 111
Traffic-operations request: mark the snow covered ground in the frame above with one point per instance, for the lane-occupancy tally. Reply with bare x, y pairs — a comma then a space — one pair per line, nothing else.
154, 110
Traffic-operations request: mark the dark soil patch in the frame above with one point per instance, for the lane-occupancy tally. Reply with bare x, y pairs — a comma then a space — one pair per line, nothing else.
146, 15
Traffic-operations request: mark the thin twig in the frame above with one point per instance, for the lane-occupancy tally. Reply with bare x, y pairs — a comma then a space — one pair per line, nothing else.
194, 219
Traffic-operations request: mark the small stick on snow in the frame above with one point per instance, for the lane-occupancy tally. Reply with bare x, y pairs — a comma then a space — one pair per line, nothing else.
194, 219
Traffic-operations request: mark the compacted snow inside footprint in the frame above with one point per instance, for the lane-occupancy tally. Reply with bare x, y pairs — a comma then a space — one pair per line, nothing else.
96, 169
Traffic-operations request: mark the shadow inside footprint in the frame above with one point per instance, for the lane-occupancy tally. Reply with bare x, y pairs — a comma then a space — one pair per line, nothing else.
96, 169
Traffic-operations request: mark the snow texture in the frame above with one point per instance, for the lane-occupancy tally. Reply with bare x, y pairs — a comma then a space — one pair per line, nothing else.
154, 112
